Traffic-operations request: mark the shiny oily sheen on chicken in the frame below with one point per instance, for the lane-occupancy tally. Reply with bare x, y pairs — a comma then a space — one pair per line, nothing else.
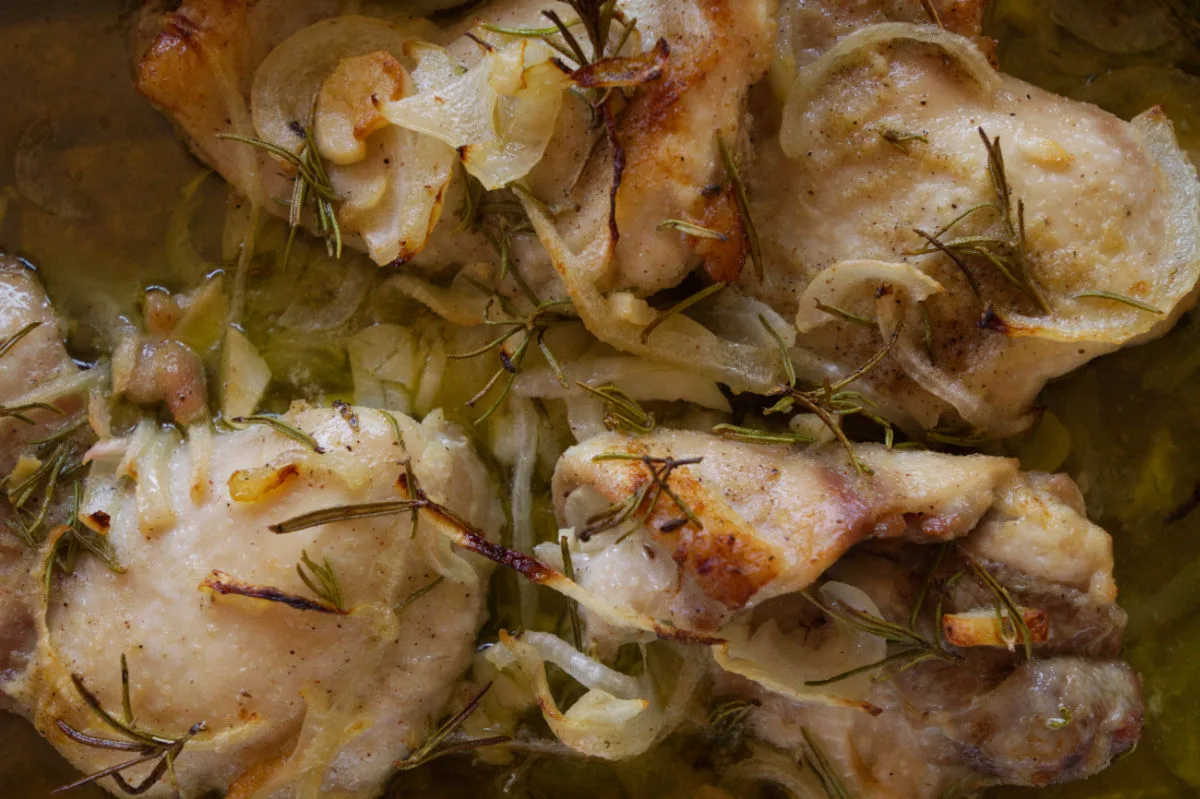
577, 385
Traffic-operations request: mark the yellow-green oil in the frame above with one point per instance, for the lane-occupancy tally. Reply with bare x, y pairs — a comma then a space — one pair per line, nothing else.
105, 172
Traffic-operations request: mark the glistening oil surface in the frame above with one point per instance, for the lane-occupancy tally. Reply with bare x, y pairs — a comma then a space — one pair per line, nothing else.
91, 180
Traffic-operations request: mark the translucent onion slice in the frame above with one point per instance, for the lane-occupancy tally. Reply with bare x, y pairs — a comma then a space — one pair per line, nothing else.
784, 663
846, 284
286, 83
499, 114
414, 171
812, 78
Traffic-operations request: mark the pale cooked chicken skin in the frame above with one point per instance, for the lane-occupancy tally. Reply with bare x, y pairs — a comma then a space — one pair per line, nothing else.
986, 716
884, 136
200, 69
782, 520
297, 699
775, 518
30, 364
668, 134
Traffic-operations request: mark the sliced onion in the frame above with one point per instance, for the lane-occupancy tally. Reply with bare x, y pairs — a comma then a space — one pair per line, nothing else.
643, 380
784, 663
582, 668
620, 318
847, 283
244, 375
414, 171
813, 77
499, 114
287, 81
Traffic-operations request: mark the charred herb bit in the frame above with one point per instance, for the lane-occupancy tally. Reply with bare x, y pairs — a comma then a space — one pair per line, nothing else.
432, 749
148, 745
1012, 620
743, 206
681, 306
901, 139
831, 783
310, 186
691, 229
219, 582
346, 411
832, 401
533, 326
280, 426
15, 338
572, 605
69, 540
1008, 253
750, 435
642, 502
621, 411
412, 598
322, 580
1133, 302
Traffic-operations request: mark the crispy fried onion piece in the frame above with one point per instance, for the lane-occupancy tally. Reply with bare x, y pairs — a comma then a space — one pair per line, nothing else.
784, 662
499, 114
600, 724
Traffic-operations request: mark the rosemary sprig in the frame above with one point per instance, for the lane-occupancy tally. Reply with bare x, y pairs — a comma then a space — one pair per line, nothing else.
692, 229
412, 598
219, 582
280, 426
344, 513
532, 328
322, 580
148, 745
310, 186
1012, 620
58, 461
831, 783
680, 307
932, 12
743, 205
750, 435
639, 505
1122, 298
914, 648
621, 411
727, 721
572, 605
15, 338
432, 749
19, 412
844, 315
73, 538
1007, 253
833, 401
